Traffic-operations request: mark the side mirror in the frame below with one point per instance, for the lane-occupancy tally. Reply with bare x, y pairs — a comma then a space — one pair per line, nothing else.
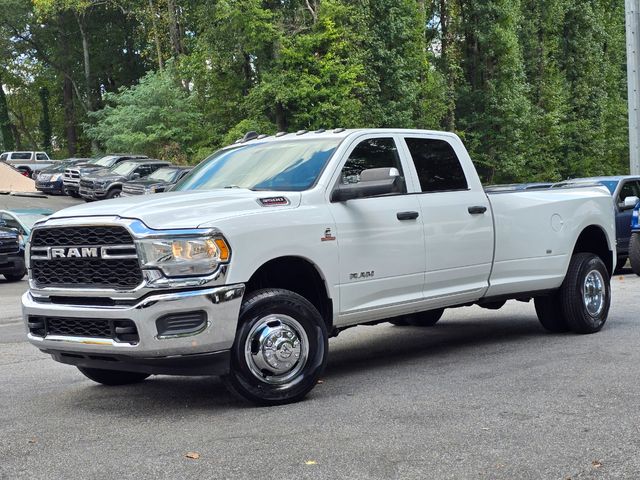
374, 181
629, 203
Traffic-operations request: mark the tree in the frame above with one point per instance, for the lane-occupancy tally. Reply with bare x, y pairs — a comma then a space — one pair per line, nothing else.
151, 117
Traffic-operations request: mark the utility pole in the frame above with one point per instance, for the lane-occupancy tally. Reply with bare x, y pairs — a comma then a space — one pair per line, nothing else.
632, 14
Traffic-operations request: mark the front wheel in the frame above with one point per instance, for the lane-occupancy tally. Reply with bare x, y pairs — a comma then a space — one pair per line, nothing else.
112, 377
280, 349
15, 277
114, 193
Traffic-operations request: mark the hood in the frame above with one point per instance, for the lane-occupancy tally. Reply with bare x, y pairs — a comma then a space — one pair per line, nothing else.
146, 182
104, 175
182, 209
91, 169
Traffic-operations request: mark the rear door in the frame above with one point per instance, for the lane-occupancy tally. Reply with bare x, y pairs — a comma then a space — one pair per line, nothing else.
458, 225
380, 238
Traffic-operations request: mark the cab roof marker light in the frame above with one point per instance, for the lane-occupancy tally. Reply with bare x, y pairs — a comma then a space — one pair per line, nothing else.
320, 130
339, 130
281, 134
262, 135
301, 132
250, 135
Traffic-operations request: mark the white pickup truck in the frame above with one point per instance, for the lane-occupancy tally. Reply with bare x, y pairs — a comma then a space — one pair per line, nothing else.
274, 244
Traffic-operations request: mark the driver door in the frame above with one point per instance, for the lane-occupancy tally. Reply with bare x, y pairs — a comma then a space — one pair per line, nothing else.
380, 238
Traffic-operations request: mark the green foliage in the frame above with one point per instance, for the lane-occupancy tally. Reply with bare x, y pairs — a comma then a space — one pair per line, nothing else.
148, 117
537, 88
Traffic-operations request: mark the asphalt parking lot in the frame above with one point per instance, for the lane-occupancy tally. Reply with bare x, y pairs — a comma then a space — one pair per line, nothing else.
482, 395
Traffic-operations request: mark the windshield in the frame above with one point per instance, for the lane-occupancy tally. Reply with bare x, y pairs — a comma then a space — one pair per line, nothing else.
124, 168
104, 161
285, 166
164, 175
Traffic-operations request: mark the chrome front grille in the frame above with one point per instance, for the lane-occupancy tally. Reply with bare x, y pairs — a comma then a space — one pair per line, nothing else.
9, 244
116, 267
71, 173
133, 189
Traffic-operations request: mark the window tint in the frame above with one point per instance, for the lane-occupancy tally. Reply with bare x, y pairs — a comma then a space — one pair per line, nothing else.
3, 157
21, 155
437, 164
629, 189
372, 153
41, 156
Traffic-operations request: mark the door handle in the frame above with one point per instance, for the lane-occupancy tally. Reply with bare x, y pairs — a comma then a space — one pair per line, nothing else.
407, 215
476, 210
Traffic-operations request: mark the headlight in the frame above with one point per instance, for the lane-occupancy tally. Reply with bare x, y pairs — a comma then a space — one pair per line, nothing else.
150, 189
180, 257
55, 177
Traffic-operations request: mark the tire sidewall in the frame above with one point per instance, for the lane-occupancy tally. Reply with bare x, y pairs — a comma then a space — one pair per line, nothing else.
578, 317
244, 382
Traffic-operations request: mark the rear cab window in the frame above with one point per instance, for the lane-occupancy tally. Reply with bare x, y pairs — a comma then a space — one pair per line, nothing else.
437, 165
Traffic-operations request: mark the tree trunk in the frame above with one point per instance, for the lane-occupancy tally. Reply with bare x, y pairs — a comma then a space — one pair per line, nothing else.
174, 29
45, 119
89, 101
69, 116
281, 118
156, 35
6, 132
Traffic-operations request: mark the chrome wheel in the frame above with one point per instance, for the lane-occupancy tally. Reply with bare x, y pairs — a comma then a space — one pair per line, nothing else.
593, 293
276, 349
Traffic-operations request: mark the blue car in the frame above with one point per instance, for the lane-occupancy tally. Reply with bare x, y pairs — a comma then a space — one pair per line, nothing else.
625, 191
634, 243
49, 180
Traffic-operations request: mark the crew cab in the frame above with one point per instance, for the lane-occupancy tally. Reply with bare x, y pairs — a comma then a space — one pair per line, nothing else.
29, 163
108, 183
274, 244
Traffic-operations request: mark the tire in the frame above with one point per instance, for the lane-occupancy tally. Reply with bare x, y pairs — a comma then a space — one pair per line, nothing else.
14, 277
425, 319
112, 377
634, 253
114, 193
550, 314
620, 263
586, 278
271, 320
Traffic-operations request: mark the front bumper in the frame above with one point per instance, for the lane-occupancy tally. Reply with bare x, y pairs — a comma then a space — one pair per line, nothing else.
50, 187
220, 304
94, 194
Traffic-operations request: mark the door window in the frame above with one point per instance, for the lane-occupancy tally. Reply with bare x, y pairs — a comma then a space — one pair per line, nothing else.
629, 189
437, 164
41, 156
144, 170
372, 153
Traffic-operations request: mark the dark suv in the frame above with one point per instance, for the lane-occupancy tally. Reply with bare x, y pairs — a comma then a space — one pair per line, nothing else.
108, 183
72, 175
11, 255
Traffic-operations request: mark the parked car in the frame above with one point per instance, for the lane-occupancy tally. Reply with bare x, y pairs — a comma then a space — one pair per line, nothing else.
22, 220
159, 181
72, 175
12, 264
634, 242
29, 163
15, 228
272, 245
105, 184
625, 190
50, 179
